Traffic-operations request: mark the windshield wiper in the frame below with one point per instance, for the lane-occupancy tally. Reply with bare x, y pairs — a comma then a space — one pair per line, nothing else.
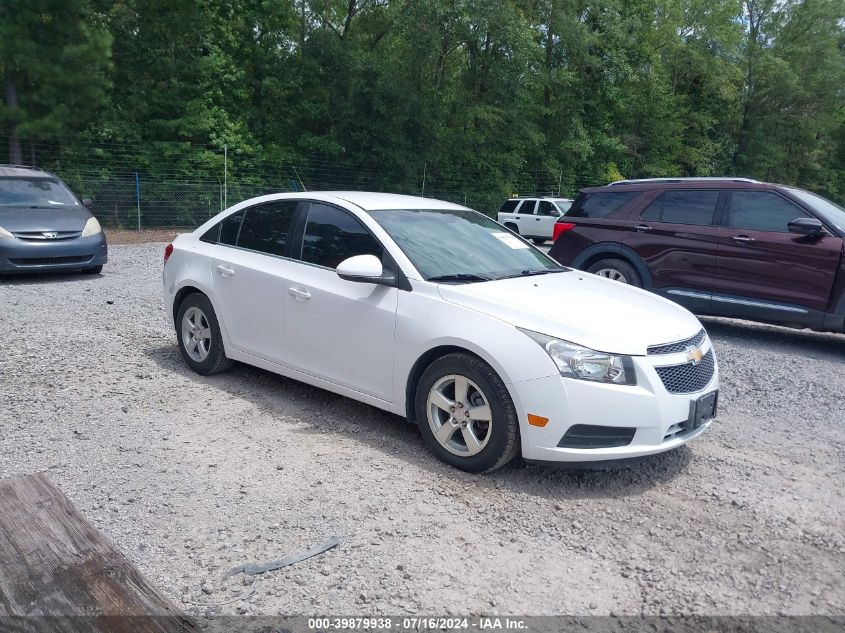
464, 277
534, 271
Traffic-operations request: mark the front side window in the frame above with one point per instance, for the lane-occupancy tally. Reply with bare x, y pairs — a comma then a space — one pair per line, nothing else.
544, 207
599, 204
332, 235
461, 245
35, 193
265, 227
762, 211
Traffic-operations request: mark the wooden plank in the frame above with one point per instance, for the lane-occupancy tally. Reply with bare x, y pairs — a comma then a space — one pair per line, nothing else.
58, 573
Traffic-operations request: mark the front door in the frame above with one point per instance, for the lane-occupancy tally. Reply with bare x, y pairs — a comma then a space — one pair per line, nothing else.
249, 269
340, 331
544, 222
760, 259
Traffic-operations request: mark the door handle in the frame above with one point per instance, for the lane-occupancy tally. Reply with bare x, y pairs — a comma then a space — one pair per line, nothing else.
642, 227
537, 219
743, 239
299, 293
225, 271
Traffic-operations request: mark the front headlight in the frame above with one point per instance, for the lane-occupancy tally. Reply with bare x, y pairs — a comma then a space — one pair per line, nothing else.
583, 363
5, 235
92, 227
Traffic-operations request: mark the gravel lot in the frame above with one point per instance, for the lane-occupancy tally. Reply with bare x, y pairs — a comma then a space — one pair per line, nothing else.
190, 476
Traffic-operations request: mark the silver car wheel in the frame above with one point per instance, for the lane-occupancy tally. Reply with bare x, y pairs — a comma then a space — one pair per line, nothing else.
196, 334
459, 415
612, 273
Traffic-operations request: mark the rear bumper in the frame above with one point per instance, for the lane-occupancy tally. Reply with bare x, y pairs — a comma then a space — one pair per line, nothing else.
28, 256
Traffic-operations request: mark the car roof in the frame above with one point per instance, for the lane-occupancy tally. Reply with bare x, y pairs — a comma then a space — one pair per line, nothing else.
22, 171
648, 184
374, 201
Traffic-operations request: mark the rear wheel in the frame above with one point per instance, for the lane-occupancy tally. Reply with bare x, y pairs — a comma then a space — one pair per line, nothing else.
198, 332
513, 227
617, 270
466, 414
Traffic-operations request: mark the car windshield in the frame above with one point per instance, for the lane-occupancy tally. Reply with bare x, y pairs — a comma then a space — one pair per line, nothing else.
462, 246
35, 193
831, 212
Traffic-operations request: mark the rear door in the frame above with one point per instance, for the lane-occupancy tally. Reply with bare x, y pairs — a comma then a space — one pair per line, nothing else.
338, 330
525, 217
249, 268
677, 237
760, 259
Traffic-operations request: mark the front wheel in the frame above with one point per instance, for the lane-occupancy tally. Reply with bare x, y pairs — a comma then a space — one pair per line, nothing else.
466, 414
617, 270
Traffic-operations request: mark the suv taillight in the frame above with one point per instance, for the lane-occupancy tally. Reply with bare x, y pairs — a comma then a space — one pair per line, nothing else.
168, 251
561, 227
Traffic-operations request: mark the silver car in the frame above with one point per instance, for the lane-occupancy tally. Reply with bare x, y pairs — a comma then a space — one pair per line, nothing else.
44, 227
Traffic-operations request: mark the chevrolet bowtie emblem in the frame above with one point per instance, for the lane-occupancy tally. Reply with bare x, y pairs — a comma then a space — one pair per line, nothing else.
695, 356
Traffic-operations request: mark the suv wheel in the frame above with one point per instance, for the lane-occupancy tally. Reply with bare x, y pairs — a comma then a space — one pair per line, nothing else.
538, 240
466, 414
617, 270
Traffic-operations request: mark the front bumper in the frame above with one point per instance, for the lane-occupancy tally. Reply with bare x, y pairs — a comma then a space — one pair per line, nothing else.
656, 415
29, 256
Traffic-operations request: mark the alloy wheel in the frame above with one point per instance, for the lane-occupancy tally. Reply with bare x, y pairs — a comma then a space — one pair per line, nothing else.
459, 415
611, 273
196, 334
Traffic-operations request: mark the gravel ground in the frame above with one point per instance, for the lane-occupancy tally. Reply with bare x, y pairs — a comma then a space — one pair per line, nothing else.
190, 476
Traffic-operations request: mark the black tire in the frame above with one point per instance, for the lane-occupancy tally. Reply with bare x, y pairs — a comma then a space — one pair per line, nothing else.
504, 441
539, 240
629, 274
94, 270
216, 360
513, 227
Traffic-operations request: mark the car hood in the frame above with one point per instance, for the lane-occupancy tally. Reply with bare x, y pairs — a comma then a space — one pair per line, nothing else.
18, 220
581, 308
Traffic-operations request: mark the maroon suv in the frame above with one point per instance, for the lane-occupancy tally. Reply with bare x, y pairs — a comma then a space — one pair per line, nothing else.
719, 246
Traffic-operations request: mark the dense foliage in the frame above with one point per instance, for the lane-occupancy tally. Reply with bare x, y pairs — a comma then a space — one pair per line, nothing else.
482, 95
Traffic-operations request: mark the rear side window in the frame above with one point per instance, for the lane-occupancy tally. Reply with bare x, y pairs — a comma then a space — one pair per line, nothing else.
683, 206
762, 211
265, 227
528, 207
229, 229
332, 235
509, 206
600, 204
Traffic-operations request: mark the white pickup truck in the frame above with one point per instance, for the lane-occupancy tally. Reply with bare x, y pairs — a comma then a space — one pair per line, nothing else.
533, 218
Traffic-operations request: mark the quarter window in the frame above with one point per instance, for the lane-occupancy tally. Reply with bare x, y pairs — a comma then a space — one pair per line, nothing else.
600, 204
509, 206
332, 235
265, 227
762, 211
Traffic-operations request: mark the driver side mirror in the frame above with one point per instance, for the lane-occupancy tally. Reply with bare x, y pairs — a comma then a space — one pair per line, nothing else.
365, 269
811, 227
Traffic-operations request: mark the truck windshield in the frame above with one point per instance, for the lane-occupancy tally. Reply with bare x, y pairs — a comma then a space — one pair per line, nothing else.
461, 246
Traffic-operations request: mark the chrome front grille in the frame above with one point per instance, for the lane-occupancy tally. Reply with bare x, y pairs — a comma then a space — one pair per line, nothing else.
680, 346
689, 377
48, 236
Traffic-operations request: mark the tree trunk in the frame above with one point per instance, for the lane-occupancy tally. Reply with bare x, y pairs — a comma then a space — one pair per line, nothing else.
15, 152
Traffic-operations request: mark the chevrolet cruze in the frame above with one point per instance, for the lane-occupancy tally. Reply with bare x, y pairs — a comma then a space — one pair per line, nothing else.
437, 313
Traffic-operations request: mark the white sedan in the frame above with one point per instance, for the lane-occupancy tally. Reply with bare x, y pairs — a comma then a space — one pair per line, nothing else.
437, 313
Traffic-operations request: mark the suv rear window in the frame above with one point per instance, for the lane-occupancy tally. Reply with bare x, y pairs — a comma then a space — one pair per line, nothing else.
599, 204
